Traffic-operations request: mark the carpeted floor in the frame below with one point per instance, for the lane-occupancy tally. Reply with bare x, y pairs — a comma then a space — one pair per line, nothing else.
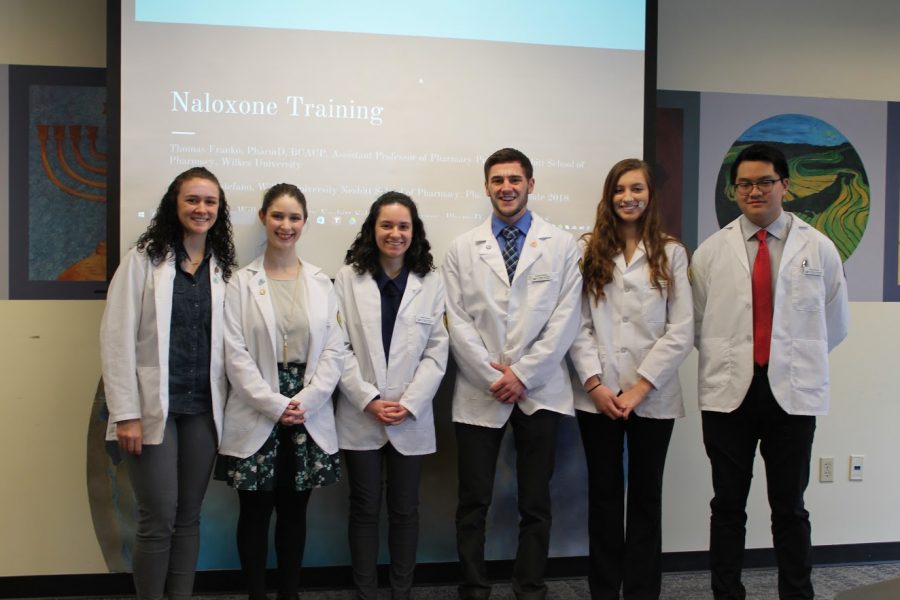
760, 584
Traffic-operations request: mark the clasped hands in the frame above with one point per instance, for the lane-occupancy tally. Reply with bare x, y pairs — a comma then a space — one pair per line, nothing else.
293, 414
617, 406
508, 389
387, 412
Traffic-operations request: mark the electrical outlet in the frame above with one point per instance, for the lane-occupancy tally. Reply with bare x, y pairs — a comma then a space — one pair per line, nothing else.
856, 467
826, 469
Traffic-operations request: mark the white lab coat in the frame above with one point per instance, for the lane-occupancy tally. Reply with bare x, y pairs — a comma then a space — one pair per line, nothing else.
809, 319
418, 360
528, 325
134, 344
252, 353
636, 331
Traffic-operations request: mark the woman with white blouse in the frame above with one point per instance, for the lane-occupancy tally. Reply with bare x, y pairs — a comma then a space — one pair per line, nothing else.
637, 329
284, 353
392, 304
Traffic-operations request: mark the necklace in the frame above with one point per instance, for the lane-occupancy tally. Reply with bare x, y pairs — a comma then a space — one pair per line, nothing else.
190, 261
289, 318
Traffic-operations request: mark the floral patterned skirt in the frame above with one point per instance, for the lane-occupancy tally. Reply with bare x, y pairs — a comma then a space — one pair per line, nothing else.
289, 458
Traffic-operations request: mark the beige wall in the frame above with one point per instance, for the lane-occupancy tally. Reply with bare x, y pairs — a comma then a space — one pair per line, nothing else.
64, 33
49, 362
50, 367
49, 359
821, 49
818, 48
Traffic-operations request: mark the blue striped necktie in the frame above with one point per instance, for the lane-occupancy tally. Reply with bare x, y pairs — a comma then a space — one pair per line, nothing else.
510, 251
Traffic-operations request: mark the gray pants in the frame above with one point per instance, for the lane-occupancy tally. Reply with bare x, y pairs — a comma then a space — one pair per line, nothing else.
169, 481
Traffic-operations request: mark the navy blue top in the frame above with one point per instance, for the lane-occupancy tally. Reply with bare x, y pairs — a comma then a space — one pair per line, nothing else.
391, 295
189, 341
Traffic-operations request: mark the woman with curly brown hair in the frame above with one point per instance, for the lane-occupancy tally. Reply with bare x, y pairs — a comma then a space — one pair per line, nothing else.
637, 328
392, 301
163, 354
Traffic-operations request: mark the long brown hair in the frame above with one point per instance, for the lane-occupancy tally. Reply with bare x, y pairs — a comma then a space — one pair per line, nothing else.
605, 241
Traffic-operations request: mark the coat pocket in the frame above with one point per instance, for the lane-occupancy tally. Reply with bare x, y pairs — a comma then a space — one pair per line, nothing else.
808, 289
716, 362
809, 364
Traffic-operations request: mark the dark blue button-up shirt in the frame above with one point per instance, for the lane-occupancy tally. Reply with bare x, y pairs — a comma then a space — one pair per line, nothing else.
391, 295
189, 341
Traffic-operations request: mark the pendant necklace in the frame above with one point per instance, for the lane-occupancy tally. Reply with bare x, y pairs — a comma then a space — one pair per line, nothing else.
290, 317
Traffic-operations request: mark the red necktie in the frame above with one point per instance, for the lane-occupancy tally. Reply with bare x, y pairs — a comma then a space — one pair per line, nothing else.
762, 302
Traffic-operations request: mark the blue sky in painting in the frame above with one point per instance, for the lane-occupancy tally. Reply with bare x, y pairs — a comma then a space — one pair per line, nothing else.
794, 129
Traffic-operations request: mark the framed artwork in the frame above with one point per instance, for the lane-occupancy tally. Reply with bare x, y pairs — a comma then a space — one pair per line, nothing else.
677, 149
892, 207
57, 184
829, 187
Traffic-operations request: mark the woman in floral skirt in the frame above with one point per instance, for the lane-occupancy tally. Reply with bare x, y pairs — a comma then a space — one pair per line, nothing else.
284, 355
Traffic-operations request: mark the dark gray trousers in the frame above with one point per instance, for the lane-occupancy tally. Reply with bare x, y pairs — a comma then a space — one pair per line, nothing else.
169, 482
367, 472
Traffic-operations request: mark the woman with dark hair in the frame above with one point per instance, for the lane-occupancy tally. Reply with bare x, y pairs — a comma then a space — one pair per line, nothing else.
162, 352
637, 329
284, 355
392, 302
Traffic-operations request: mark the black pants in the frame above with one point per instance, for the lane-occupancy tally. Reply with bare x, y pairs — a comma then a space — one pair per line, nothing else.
478, 448
785, 442
366, 469
625, 547
290, 538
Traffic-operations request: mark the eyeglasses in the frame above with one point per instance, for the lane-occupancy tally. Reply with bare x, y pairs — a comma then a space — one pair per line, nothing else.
763, 185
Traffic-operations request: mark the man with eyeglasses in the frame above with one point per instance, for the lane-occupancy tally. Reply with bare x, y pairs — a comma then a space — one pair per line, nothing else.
770, 302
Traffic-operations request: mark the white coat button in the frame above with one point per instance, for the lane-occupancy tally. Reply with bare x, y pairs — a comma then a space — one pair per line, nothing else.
624, 319
749, 338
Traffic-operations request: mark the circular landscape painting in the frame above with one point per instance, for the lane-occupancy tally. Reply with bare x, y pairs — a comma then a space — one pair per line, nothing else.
829, 188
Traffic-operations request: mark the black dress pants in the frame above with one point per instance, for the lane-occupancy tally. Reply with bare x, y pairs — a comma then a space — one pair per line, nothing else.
367, 471
625, 547
478, 450
785, 442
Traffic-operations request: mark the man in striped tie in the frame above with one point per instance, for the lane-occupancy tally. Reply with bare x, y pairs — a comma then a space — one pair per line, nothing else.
770, 302
513, 307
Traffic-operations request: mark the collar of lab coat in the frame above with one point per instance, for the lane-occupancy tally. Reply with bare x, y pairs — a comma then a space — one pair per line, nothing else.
797, 237
639, 254
368, 301
317, 312
490, 252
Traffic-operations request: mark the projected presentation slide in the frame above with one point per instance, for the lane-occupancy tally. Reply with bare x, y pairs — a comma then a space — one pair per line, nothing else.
348, 100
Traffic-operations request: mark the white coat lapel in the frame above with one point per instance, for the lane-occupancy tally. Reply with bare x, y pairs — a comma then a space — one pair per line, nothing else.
796, 240
259, 289
622, 266
413, 287
399, 343
317, 311
489, 251
532, 249
735, 239
163, 286
217, 294
368, 302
